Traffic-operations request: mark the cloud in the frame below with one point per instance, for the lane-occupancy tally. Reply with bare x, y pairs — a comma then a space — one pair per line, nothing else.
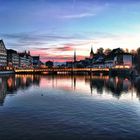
33, 36
65, 48
45, 56
55, 54
79, 43
63, 45
58, 49
33, 40
76, 16
63, 58
44, 42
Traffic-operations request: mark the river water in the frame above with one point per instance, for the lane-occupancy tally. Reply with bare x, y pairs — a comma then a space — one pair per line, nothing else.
69, 107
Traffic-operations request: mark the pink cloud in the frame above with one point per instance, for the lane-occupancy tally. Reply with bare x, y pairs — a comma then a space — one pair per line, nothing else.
45, 56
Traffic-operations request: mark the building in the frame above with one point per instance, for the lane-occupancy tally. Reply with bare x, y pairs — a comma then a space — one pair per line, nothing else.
109, 63
110, 58
69, 64
36, 61
12, 58
22, 60
124, 59
25, 60
29, 60
98, 61
3, 54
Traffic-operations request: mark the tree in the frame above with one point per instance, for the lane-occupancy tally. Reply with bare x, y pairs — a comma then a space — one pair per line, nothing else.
49, 64
138, 51
107, 51
133, 52
126, 50
100, 51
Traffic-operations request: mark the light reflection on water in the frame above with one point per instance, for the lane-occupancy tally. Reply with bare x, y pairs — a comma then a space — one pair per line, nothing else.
74, 107
120, 88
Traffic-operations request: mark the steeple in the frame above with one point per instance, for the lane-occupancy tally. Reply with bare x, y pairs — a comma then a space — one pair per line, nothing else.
74, 55
28, 52
91, 53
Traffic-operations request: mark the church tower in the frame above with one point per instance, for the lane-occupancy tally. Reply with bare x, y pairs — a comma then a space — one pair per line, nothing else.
75, 55
91, 53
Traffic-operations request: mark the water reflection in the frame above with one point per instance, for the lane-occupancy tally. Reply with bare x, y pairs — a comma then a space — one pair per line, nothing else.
87, 84
12, 83
115, 85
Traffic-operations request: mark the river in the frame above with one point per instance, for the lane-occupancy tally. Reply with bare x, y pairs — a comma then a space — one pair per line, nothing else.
57, 107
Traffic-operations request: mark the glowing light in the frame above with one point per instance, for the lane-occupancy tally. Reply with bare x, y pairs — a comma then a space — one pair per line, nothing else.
10, 82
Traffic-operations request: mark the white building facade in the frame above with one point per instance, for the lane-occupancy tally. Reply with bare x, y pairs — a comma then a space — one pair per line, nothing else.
3, 54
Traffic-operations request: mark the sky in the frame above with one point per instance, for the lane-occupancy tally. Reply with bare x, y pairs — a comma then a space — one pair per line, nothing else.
53, 29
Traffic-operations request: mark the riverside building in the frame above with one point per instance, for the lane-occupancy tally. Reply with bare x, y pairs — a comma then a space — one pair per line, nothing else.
3, 55
12, 58
25, 60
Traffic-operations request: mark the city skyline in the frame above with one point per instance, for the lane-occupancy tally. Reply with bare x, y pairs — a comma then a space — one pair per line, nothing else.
53, 29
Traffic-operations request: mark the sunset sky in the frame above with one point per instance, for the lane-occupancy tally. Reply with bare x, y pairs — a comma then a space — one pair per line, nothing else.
54, 28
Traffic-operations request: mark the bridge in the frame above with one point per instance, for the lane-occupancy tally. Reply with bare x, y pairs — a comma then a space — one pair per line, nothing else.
61, 70
121, 70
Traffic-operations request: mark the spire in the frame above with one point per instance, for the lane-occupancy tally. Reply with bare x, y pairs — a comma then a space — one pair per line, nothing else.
91, 53
28, 52
74, 55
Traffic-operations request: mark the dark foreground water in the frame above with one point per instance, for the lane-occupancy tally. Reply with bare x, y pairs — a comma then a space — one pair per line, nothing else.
69, 107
